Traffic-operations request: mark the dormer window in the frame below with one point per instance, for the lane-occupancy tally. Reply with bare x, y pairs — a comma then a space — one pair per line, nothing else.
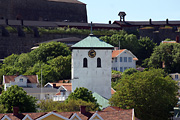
21, 80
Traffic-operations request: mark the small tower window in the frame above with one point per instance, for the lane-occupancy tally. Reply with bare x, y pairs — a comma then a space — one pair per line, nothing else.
98, 62
85, 64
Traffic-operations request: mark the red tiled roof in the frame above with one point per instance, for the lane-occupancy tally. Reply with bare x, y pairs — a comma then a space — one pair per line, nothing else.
115, 53
135, 59
60, 84
30, 78
106, 115
68, 87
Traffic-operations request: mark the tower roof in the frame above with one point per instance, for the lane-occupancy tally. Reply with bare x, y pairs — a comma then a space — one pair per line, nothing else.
92, 42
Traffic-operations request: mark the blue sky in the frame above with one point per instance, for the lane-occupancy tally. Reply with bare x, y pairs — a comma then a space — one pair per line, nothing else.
101, 11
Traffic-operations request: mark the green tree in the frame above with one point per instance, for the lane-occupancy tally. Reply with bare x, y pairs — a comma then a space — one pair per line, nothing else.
83, 94
129, 71
53, 58
16, 97
71, 105
150, 93
127, 41
3, 109
145, 49
167, 54
48, 51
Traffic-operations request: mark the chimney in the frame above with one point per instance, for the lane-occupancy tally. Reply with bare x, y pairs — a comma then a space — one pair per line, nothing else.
167, 21
83, 109
15, 111
109, 22
177, 39
54, 85
150, 21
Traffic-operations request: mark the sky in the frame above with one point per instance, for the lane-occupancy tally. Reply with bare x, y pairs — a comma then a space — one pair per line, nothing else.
102, 11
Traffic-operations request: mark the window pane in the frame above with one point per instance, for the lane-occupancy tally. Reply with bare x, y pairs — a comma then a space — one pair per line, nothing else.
115, 59
121, 69
129, 59
120, 59
125, 59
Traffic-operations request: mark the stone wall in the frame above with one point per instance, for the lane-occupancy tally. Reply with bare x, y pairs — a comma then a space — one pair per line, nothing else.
17, 44
158, 35
40, 10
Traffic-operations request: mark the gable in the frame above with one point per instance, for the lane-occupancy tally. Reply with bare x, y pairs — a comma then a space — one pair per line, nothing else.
75, 117
96, 116
27, 117
5, 118
52, 116
30, 78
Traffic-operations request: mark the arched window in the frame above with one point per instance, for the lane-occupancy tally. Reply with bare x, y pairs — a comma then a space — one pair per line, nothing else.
98, 62
85, 64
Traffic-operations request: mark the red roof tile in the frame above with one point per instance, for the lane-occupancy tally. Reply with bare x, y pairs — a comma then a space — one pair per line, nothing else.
106, 115
60, 84
115, 53
30, 78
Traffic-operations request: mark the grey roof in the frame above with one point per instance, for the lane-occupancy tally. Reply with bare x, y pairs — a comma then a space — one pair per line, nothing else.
139, 23
38, 90
59, 24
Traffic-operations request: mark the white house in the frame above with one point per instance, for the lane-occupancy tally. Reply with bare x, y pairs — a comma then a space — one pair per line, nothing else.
91, 66
63, 90
176, 77
30, 81
123, 59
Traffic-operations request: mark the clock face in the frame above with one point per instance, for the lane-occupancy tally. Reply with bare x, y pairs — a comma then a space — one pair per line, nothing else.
92, 53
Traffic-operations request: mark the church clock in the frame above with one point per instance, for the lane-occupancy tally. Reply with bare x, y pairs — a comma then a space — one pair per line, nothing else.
92, 53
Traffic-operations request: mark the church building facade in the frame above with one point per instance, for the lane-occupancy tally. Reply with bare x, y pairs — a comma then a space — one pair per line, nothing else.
91, 66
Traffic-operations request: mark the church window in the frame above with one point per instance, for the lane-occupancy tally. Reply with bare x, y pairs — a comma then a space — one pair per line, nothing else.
85, 64
98, 62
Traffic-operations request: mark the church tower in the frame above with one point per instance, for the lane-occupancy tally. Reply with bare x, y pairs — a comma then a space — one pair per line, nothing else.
91, 65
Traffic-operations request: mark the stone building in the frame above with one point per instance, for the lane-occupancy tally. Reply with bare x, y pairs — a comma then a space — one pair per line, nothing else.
43, 10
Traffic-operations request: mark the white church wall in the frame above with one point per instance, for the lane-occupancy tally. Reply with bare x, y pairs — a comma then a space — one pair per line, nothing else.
93, 78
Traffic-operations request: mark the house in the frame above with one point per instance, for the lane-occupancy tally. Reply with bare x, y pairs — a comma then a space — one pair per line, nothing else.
79, 115
63, 90
41, 93
176, 77
25, 81
123, 59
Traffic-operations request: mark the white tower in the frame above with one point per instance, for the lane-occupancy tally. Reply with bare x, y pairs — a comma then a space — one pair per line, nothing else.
91, 65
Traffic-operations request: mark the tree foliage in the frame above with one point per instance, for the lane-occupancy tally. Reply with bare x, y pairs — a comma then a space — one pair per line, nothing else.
145, 48
126, 41
16, 97
150, 93
53, 58
83, 94
167, 54
71, 105
129, 71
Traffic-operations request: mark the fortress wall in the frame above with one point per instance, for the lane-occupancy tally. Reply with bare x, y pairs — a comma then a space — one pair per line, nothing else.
40, 10
17, 45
